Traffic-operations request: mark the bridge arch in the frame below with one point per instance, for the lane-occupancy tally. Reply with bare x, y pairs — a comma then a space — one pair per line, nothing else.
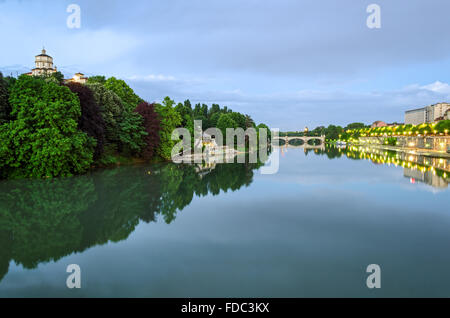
286, 141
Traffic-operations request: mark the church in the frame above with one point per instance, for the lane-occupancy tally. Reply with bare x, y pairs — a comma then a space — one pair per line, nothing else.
44, 67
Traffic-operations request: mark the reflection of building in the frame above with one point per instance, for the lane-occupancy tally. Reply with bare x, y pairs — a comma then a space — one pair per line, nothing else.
428, 114
43, 65
428, 177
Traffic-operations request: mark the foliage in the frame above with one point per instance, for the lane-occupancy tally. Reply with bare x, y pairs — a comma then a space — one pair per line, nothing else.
126, 94
91, 120
100, 79
43, 140
391, 141
187, 115
58, 76
264, 126
226, 121
151, 126
443, 127
332, 132
111, 109
170, 119
131, 133
5, 108
239, 119
355, 126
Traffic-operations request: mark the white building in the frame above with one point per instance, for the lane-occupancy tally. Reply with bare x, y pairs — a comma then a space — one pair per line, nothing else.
77, 78
428, 114
43, 65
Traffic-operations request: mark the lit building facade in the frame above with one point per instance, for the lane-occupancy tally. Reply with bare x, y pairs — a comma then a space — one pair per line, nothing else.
428, 114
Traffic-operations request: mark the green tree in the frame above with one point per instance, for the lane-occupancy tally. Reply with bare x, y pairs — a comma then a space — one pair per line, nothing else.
131, 133
239, 119
170, 119
226, 121
112, 110
5, 108
100, 79
332, 132
126, 94
264, 126
354, 126
43, 140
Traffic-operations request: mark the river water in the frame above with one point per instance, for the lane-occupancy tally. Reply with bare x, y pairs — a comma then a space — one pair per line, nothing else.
225, 230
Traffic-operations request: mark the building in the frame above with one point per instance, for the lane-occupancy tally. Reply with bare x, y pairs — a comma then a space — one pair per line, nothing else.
43, 65
378, 123
77, 78
428, 114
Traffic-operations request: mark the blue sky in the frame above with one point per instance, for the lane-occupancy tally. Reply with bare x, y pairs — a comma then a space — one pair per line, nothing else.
289, 64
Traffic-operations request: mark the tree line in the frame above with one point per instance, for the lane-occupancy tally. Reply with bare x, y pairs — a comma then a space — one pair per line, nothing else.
49, 128
356, 130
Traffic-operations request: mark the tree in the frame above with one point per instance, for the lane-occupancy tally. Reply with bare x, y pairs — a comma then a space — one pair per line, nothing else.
124, 127
131, 133
354, 126
264, 126
58, 76
100, 79
126, 94
249, 122
5, 108
214, 119
43, 140
91, 120
10, 81
332, 132
170, 119
111, 109
226, 121
213, 110
151, 125
443, 127
239, 119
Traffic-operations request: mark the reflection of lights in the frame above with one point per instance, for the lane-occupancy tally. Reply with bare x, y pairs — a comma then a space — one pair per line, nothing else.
411, 144
412, 180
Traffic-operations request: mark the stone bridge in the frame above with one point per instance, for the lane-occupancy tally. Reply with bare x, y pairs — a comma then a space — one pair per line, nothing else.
305, 140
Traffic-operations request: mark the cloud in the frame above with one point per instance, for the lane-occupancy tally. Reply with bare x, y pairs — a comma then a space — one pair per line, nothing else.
287, 63
152, 78
438, 87
296, 109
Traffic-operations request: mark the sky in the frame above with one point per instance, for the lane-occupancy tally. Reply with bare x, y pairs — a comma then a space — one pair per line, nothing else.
288, 64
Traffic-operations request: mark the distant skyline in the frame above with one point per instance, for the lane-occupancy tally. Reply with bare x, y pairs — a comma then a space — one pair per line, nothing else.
289, 64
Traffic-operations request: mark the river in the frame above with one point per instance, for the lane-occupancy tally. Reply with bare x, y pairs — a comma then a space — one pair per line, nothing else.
225, 230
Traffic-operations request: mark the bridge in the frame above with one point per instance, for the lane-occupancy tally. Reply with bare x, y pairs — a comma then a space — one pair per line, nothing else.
305, 140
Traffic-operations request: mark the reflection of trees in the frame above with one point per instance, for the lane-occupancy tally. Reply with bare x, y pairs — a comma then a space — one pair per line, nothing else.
45, 220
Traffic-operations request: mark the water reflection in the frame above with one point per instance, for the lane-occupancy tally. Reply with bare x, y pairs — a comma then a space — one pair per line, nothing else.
280, 222
433, 171
45, 220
